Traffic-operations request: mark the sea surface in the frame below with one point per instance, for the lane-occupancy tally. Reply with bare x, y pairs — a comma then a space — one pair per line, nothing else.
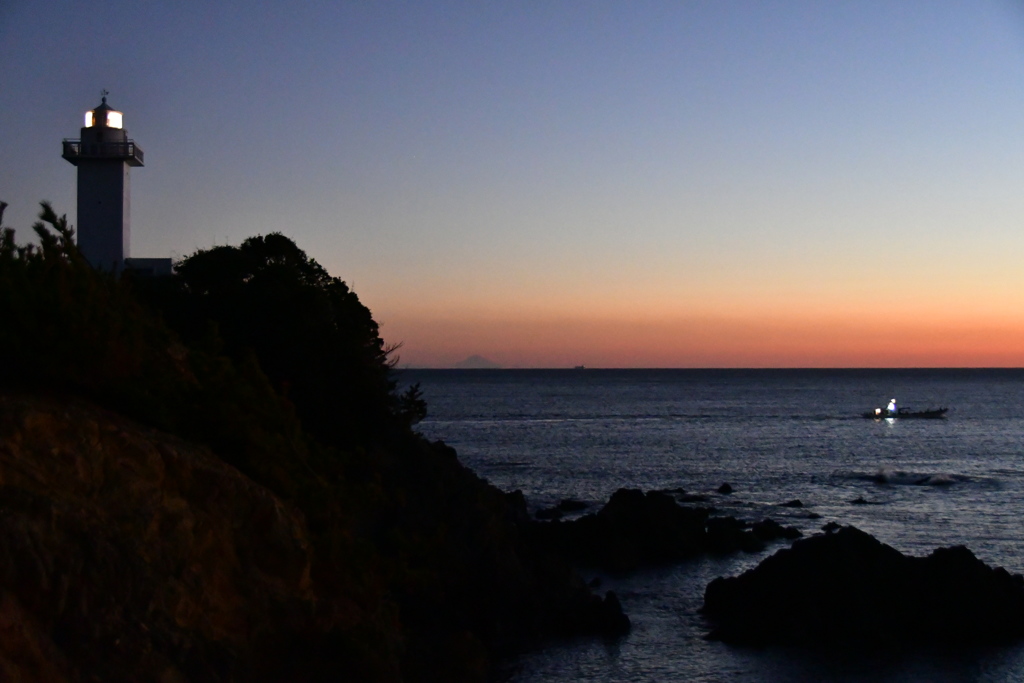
774, 436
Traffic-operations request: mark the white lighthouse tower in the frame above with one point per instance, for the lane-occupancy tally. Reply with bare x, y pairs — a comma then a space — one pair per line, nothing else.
104, 155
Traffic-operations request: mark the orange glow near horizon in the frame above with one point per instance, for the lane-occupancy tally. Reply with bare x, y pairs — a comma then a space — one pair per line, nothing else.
706, 342
862, 311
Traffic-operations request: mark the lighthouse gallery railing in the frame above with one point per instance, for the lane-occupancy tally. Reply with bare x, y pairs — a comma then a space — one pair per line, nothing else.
74, 151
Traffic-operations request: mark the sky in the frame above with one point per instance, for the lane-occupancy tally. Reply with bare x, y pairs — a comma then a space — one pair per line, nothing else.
557, 183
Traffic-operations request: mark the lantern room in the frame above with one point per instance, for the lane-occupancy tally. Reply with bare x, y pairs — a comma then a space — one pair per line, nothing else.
104, 116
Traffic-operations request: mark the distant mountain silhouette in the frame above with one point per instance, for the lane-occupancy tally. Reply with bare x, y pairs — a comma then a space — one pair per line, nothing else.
477, 362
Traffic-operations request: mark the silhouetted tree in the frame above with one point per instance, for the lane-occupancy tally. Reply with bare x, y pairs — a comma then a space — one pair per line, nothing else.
68, 328
418, 564
315, 340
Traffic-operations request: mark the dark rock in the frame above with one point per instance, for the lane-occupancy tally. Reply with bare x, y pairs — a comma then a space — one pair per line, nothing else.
617, 621
572, 505
859, 500
725, 489
638, 529
830, 527
653, 528
633, 529
749, 543
795, 503
728, 535
607, 617
813, 515
558, 511
597, 616
848, 588
770, 530
766, 529
692, 498
517, 507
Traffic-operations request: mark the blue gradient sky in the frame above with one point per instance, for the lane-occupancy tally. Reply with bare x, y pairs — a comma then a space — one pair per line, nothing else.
546, 184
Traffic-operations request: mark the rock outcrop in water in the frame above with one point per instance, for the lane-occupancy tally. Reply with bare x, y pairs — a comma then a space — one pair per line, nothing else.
848, 588
636, 529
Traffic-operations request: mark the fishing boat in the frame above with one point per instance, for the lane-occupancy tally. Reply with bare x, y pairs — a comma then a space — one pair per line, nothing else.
891, 411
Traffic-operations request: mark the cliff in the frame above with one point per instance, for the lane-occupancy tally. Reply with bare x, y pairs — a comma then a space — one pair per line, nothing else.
213, 477
130, 554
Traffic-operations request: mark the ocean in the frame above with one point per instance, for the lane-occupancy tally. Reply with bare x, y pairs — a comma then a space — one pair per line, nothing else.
774, 436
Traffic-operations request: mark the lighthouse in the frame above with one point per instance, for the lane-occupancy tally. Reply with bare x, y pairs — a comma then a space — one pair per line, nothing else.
104, 156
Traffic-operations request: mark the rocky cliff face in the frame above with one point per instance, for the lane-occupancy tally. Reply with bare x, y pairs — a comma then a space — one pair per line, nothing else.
127, 554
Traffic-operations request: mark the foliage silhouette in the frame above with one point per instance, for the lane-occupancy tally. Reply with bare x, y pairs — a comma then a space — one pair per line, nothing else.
419, 567
314, 339
69, 328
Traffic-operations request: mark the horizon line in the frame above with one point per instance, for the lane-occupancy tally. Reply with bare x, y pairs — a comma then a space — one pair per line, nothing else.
691, 368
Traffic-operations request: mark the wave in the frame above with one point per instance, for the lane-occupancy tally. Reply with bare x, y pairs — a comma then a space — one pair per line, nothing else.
508, 465
891, 477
